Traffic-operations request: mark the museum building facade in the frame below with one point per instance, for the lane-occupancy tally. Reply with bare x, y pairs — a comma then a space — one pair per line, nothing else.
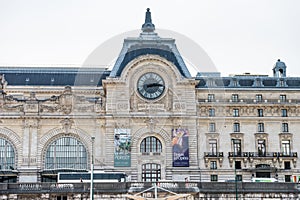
148, 117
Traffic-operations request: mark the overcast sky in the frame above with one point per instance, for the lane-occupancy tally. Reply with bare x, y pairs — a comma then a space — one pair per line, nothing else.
238, 35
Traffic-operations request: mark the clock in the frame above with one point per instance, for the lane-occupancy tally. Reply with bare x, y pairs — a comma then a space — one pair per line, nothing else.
150, 86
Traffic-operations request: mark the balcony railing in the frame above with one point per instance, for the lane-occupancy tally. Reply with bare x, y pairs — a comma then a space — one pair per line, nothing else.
263, 154
250, 101
213, 154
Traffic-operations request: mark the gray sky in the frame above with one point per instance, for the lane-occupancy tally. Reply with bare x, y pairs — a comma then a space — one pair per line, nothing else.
238, 35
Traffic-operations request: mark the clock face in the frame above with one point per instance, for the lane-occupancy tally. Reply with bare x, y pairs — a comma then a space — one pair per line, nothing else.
151, 85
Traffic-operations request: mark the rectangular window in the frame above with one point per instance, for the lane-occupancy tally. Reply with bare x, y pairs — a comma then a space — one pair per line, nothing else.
235, 98
285, 127
213, 164
287, 178
212, 127
286, 147
261, 147
235, 112
287, 165
213, 146
236, 127
213, 178
282, 98
260, 112
238, 165
211, 97
237, 147
211, 112
260, 127
283, 112
258, 98
239, 178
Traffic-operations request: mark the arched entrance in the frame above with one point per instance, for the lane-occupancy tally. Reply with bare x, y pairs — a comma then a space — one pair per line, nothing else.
263, 171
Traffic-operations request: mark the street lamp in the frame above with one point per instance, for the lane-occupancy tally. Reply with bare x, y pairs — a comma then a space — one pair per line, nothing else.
234, 160
92, 171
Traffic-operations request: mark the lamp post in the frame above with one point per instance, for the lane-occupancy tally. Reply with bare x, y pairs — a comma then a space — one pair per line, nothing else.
235, 178
92, 171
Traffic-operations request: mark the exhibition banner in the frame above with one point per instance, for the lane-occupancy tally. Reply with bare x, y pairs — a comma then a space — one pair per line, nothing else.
122, 148
180, 146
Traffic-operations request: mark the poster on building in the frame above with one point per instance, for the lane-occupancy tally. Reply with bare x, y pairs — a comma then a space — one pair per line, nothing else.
122, 148
180, 145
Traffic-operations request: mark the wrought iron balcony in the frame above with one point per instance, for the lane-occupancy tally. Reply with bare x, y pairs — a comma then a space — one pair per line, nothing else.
238, 154
213, 154
290, 154
262, 154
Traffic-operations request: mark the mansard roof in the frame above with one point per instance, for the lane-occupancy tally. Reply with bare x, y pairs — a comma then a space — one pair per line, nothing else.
54, 76
248, 82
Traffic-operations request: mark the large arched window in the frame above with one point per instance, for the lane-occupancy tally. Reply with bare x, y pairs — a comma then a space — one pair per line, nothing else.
7, 155
151, 172
151, 144
66, 153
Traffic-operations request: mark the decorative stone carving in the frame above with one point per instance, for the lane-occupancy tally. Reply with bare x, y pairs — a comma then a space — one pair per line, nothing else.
66, 124
66, 100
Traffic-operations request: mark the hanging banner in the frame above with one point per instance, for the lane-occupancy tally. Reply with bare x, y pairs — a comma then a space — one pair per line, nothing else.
180, 145
122, 148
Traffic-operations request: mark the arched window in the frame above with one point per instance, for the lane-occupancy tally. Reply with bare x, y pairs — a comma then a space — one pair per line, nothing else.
150, 144
151, 172
66, 153
7, 155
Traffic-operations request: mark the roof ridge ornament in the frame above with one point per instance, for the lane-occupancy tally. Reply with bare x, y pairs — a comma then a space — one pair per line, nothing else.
148, 26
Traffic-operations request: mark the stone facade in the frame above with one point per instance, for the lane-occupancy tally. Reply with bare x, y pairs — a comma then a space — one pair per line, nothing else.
245, 124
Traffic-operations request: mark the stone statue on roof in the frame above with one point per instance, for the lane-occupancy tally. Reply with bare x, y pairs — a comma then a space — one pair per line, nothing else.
3, 82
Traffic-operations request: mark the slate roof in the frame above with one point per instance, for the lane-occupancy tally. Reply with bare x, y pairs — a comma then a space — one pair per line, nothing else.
54, 76
248, 82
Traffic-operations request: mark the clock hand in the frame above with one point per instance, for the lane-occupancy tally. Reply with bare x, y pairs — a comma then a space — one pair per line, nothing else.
154, 85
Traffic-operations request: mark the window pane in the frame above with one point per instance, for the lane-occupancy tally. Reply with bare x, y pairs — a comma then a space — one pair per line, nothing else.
236, 127
284, 113
258, 98
282, 98
260, 127
261, 145
213, 164
213, 146
7, 155
235, 98
260, 112
235, 112
285, 127
211, 112
237, 148
212, 127
286, 147
213, 177
66, 152
151, 172
151, 144
211, 97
